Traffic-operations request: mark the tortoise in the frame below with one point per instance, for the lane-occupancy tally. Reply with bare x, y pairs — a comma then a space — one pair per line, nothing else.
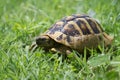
75, 32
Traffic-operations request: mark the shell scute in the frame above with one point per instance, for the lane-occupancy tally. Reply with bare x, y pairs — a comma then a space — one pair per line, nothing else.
82, 25
60, 37
56, 27
70, 30
68, 18
93, 25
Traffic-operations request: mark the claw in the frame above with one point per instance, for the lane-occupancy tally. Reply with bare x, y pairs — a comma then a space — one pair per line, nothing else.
33, 47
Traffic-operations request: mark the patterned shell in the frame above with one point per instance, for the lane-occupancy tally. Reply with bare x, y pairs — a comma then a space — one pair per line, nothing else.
77, 31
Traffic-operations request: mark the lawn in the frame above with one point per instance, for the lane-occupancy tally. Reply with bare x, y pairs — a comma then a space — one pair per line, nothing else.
22, 20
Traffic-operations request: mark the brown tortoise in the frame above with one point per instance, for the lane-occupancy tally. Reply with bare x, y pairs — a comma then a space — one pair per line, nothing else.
73, 32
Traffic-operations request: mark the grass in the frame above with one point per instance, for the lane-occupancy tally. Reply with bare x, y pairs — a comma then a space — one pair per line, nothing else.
22, 20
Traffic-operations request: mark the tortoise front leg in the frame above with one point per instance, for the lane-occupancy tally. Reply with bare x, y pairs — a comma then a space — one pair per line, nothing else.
62, 50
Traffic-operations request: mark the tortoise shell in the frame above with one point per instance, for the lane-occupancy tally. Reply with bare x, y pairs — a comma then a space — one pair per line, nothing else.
79, 31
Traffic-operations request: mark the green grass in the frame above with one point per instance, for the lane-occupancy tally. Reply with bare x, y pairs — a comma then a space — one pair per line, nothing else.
21, 20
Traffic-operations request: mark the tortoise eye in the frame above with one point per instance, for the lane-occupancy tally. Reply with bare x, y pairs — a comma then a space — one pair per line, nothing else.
43, 39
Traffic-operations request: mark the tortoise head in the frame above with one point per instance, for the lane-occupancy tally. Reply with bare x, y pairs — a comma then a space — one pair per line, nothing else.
44, 41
